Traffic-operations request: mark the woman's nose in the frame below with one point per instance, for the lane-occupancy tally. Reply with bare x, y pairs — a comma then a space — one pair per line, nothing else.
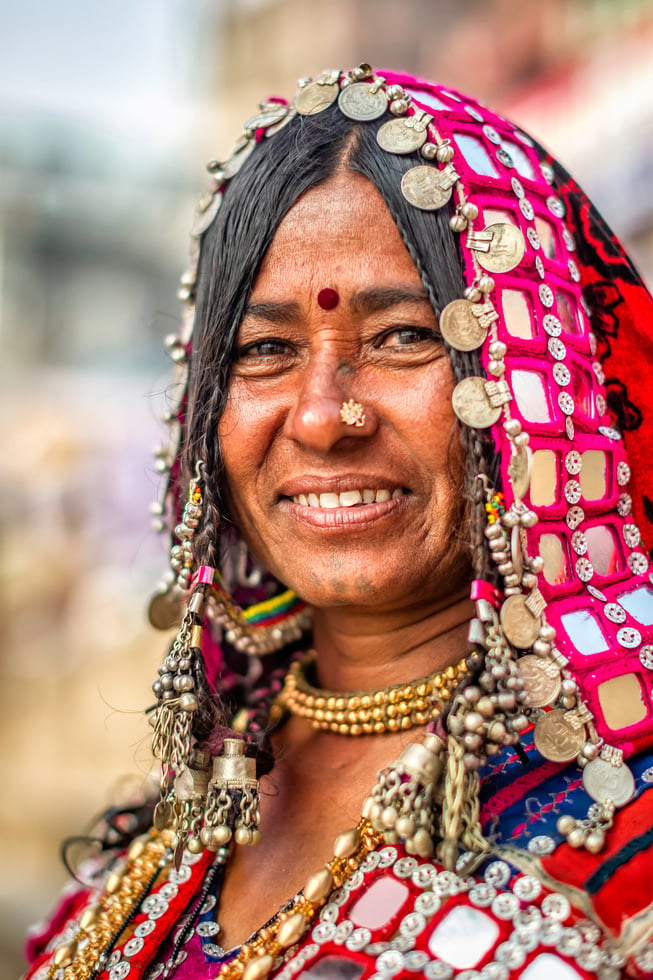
327, 410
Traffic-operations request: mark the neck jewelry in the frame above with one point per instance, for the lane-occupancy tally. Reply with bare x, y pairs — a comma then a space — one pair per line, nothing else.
387, 709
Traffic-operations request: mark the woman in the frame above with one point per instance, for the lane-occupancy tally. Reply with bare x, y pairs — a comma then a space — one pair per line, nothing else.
394, 430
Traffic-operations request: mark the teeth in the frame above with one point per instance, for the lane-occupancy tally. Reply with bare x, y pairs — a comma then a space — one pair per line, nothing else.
349, 498
329, 500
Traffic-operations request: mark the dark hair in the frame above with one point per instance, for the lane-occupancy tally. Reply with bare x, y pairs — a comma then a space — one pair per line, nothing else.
305, 153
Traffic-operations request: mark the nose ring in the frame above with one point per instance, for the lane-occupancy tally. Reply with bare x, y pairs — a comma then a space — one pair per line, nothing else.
352, 413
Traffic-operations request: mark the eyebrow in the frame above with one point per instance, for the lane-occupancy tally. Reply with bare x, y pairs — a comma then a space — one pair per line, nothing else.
366, 301
375, 300
273, 312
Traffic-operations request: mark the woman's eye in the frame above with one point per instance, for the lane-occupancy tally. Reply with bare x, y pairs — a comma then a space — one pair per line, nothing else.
270, 347
406, 336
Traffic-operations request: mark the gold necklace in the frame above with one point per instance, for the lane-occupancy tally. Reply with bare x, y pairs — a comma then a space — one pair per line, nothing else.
256, 957
388, 709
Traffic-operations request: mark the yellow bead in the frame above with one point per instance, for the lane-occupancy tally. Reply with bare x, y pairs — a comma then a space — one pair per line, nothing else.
136, 848
64, 954
89, 917
259, 968
113, 883
318, 885
291, 930
346, 843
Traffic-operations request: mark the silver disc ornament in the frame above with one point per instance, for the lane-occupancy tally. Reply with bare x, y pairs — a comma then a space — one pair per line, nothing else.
165, 610
519, 624
472, 405
459, 326
395, 136
519, 471
361, 102
426, 187
506, 249
314, 98
604, 782
541, 680
556, 739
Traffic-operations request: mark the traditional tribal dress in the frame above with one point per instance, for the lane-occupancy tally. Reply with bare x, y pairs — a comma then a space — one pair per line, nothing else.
564, 329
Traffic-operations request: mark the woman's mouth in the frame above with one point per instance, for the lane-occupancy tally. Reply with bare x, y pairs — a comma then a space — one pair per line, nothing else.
346, 510
348, 498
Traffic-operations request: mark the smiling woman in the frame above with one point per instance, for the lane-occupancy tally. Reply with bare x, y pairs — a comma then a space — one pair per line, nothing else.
293, 471
406, 565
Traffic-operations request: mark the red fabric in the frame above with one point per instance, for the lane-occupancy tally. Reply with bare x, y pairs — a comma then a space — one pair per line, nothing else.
622, 320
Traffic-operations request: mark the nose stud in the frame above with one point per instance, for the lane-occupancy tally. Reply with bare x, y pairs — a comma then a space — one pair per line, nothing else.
352, 413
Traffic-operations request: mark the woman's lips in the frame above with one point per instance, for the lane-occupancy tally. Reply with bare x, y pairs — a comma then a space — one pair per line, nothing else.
349, 509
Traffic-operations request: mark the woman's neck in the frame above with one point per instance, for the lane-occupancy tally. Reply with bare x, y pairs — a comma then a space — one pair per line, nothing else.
362, 650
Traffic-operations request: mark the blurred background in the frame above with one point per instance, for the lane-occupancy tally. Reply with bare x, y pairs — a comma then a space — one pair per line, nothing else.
107, 114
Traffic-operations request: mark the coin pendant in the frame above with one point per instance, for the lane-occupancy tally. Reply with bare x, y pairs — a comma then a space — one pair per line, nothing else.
204, 219
604, 782
555, 739
164, 611
519, 624
541, 680
424, 188
162, 814
472, 405
235, 162
506, 248
519, 471
358, 101
314, 98
396, 137
270, 115
460, 328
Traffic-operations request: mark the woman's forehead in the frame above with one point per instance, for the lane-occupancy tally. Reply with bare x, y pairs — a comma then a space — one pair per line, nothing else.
341, 228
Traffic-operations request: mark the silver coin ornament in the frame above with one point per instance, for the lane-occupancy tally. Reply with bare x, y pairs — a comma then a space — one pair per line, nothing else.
361, 102
314, 98
519, 471
459, 326
472, 405
556, 739
235, 162
165, 610
519, 624
506, 248
271, 113
426, 188
603, 782
541, 679
205, 218
395, 136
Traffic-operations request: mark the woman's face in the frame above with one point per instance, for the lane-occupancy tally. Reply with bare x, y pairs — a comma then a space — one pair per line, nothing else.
343, 514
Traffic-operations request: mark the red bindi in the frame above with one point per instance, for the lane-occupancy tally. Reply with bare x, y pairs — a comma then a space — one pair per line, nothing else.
328, 299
